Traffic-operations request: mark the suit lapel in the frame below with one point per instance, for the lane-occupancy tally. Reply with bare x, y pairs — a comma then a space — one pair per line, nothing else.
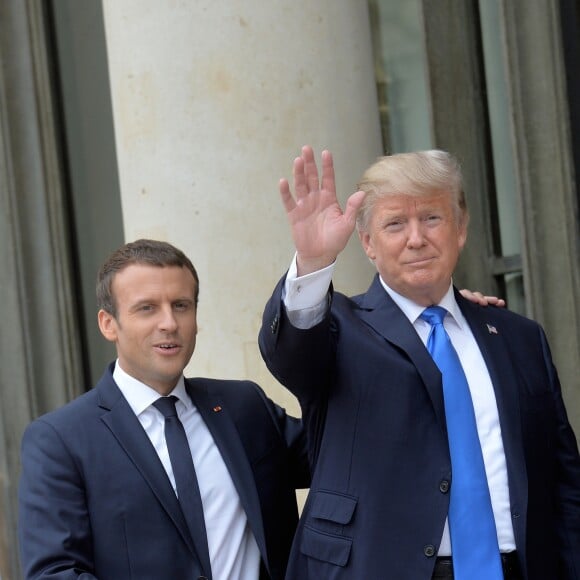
123, 423
491, 338
379, 311
214, 411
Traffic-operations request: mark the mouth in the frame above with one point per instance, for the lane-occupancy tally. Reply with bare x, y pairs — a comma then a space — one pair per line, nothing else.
420, 261
167, 347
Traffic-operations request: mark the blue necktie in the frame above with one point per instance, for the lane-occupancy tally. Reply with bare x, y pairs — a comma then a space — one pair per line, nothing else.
471, 523
185, 479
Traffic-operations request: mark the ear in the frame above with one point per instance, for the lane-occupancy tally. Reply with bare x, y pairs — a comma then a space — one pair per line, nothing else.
366, 242
107, 325
462, 233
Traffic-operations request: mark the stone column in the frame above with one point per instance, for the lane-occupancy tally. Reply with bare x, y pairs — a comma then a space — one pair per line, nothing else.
212, 101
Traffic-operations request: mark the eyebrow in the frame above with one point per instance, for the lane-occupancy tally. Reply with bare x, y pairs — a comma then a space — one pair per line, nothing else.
140, 302
143, 301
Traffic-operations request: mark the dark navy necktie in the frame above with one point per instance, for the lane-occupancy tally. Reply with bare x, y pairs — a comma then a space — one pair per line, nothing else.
185, 478
471, 523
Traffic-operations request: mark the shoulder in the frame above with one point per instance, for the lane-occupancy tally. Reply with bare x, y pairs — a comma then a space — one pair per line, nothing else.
74, 411
104, 395
374, 297
66, 422
237, 391
234, 386
503, 315
343, 304
58, 433
246, 403
502, 321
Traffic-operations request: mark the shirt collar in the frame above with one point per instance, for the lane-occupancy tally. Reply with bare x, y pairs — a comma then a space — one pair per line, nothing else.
412, 310
141, 396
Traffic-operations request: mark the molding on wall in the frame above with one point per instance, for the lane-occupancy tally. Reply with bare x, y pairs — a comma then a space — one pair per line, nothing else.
39, 343
547, 188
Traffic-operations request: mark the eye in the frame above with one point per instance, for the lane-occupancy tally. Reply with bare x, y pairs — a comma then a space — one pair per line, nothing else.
394, 225
181, 306
433, 219
146, 308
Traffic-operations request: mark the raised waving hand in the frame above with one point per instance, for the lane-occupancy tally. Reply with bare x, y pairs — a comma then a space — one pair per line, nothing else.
320, 228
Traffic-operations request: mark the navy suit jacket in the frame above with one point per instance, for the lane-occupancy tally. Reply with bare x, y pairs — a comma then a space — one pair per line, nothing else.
95, 501
372, 404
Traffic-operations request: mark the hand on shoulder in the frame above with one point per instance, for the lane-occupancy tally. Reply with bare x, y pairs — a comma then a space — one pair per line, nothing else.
479, 298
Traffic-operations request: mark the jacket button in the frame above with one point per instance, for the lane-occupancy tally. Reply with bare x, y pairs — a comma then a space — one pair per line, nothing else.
429, 550
274, 325
444, 486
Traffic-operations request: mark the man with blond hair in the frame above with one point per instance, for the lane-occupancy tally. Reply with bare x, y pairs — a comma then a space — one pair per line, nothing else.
439, 441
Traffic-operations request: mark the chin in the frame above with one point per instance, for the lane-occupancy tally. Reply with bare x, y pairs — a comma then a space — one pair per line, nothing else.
420, 283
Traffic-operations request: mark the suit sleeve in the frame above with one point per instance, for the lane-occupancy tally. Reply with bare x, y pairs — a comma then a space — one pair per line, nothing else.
303, 360
292, 432
300, 359
568, 477
54, 528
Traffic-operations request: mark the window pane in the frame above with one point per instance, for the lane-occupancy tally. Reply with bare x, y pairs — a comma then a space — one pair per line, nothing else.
514, 286
497, 102
499, 122
401, 75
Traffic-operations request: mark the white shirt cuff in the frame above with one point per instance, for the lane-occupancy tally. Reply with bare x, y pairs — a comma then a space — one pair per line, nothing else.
305, 297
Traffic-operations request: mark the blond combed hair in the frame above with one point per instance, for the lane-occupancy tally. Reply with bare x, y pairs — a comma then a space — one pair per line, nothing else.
417, 174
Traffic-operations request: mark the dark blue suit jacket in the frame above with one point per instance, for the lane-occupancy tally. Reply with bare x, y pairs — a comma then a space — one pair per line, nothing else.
372, 404
95, 501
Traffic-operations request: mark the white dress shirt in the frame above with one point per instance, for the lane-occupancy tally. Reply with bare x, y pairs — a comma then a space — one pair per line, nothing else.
305, 299
233, 550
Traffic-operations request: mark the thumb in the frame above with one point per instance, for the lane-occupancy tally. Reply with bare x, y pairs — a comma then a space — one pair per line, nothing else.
353, 204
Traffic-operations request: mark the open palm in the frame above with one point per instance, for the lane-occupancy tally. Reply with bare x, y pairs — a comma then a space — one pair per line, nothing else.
320, 229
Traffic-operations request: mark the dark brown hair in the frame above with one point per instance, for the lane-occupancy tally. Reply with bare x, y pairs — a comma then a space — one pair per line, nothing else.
150, 252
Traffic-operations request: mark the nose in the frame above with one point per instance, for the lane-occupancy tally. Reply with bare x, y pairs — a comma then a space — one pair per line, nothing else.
167, 320
415, 236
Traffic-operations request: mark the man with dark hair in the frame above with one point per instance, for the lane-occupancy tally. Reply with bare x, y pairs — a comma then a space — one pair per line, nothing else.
152, 476
440, 443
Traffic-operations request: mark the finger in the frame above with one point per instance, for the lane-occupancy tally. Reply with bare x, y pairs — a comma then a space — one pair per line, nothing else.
328, 181
479, 298
476, 297
300, 186
310, 169
495, 301
287, 199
